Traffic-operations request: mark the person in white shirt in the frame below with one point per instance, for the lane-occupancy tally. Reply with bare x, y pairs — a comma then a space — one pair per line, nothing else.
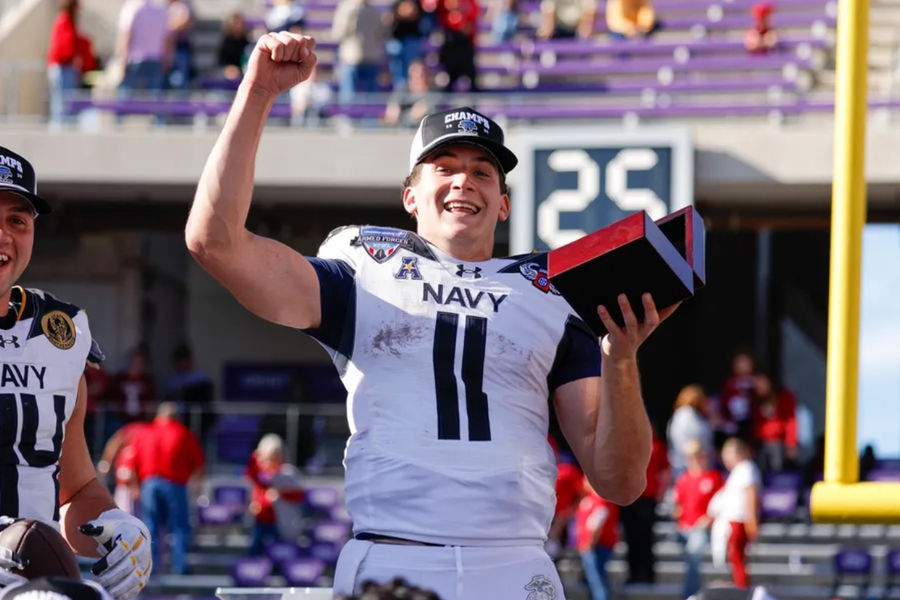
735, 509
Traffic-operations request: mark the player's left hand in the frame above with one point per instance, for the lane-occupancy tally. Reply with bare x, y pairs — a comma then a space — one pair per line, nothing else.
623, 342
127, 560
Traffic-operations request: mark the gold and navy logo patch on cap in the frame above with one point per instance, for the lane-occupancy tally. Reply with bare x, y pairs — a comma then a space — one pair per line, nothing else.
59, 329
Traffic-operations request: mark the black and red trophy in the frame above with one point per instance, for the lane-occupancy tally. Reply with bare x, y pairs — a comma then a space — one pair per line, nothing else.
631, 256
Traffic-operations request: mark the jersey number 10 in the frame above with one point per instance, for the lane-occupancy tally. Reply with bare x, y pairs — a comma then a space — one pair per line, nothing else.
444, 353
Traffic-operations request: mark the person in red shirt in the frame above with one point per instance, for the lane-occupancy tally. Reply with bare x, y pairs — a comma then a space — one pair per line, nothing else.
596, 533
134, 389
266, 470
118, 459
459, 20
166, 456
694, 488
760, 38
69, 56
638, 517
736, 409
774, 425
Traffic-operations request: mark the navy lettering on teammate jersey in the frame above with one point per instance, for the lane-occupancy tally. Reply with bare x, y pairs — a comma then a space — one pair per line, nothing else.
463, 297
21, 376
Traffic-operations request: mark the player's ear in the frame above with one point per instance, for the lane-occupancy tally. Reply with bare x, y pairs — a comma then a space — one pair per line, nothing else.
409, 201
504, 208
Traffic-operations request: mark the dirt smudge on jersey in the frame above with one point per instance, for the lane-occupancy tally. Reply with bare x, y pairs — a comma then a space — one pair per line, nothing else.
397, 338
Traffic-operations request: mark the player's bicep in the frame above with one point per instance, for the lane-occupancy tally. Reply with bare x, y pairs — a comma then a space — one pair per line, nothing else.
577, 406
272, 280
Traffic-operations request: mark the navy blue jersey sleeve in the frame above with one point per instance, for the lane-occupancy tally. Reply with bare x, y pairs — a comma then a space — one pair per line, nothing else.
577, 355
337, 293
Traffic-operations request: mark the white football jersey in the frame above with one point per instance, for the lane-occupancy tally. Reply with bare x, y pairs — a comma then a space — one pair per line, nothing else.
44, 344
449, 367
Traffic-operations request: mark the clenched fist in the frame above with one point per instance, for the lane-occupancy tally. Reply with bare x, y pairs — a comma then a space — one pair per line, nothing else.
280, 61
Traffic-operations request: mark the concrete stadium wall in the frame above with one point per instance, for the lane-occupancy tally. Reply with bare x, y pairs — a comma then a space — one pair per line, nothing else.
736, 162
24, 36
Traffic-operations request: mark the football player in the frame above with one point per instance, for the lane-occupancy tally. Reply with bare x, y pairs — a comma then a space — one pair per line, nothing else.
46, 472
448, 355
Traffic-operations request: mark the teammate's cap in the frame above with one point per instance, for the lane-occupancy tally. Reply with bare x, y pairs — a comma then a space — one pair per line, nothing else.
460, 126
56, 588
17, 175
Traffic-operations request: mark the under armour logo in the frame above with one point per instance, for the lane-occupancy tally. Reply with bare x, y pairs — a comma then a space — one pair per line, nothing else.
14, 340
462, 271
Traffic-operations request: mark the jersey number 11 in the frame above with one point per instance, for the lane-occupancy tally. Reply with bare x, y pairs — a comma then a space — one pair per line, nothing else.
444, 353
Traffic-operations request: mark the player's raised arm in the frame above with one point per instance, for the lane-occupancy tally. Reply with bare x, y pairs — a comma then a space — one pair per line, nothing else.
269, 278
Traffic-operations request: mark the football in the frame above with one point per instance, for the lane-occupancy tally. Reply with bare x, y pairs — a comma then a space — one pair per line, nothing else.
42, 546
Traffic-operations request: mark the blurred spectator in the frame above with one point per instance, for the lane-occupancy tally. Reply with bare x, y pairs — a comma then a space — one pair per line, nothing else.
274, 482
404, 45
688, 423
693, 490
459, 21
867, 462
144, 45
428, 21
736, 402
191, 389
408, 108
735, 510
627, 19
69, 56
639, 516
596, 534
561, 19
309, 99
181, 26
166, 457
359, 31
118, 458
775, 426
285, 15
233, 47
98, 384
569, 488
134, 390
503, 16
760, 38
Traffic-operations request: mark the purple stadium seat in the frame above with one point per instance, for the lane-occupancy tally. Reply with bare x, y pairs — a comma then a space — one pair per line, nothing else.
215, 514
783, 480
881, 474
852, 566
892, 568
279, 552
236, 496
778, 503
336, 532
303, 572
251, 571
323, 498
327, 552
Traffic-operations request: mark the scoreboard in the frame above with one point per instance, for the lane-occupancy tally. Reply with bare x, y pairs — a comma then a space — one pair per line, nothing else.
571, 182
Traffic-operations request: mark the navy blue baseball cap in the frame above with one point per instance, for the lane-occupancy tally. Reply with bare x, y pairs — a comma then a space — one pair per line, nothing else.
17, 176
460, 126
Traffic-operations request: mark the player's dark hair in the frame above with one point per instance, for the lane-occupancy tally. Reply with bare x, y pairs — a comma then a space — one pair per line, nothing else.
413, 178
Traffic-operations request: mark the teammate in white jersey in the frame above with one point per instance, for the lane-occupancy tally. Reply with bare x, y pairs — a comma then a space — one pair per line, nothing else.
449, 356
46, 472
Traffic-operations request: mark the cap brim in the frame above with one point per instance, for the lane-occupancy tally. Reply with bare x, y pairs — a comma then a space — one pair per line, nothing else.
41, 206
503, 155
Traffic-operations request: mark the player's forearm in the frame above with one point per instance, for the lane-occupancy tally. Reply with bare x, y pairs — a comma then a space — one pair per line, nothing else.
222, 200
624, 438
84, 505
